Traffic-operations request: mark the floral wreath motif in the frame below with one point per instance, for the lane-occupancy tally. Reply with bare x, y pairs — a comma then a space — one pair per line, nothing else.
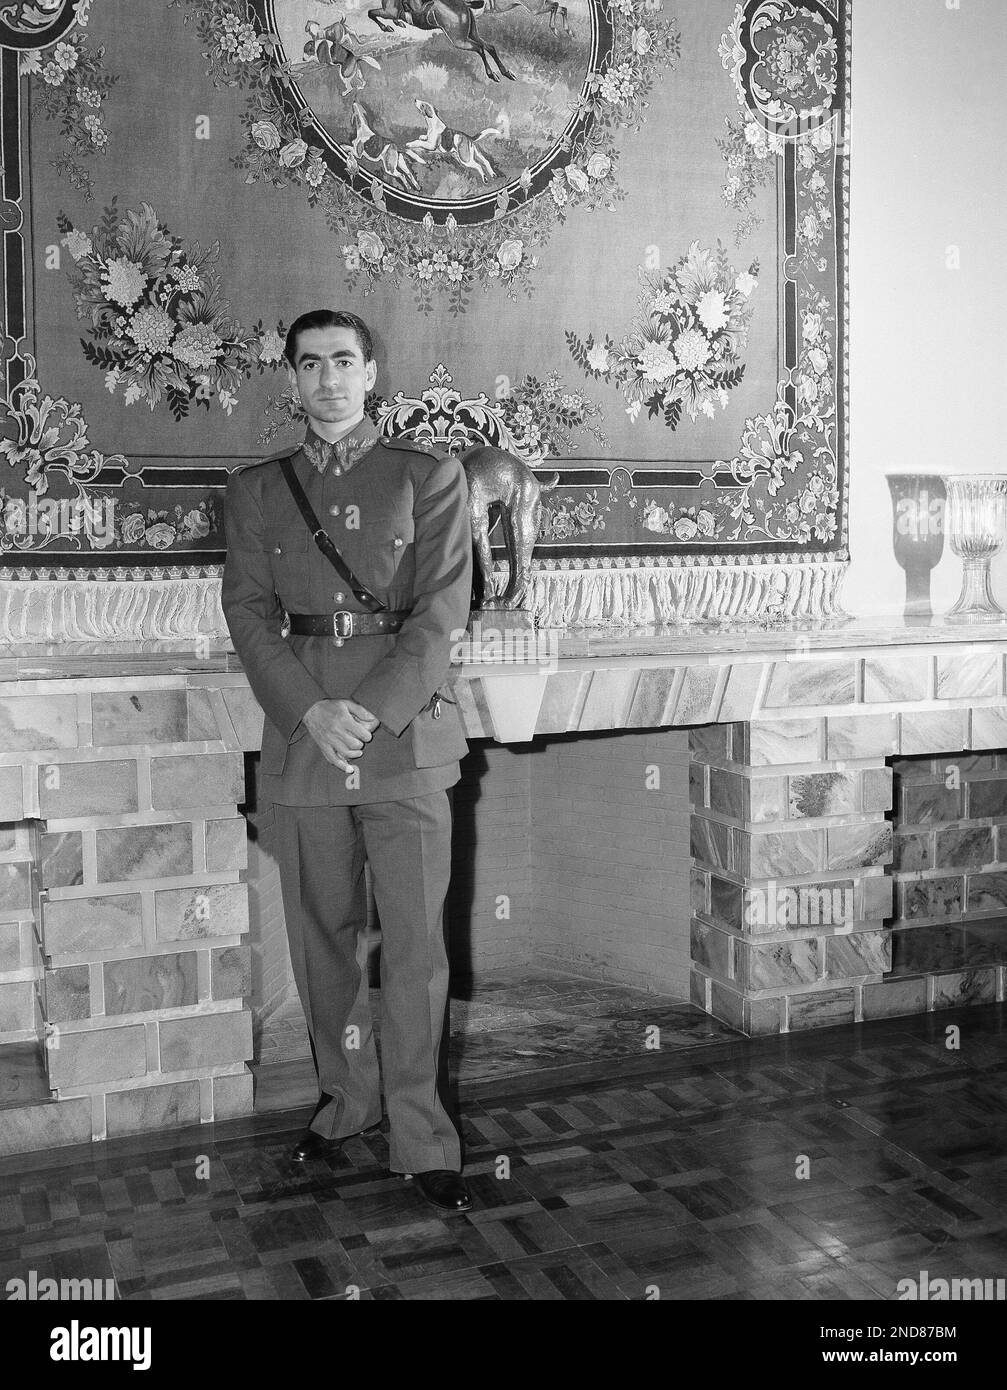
534, 420
45, 436
684, 349
159, 327
783, 62
72, 88
436, 254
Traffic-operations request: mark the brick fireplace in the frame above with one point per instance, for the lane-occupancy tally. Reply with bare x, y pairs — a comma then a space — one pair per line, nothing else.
793, 829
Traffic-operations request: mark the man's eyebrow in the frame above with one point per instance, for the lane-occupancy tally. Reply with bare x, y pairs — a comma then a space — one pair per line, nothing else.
317, 356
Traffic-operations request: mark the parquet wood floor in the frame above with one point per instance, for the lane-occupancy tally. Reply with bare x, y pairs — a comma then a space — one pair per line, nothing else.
813, 1166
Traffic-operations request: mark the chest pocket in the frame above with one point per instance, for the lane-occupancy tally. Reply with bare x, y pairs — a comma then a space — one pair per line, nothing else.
390, 550
288, 553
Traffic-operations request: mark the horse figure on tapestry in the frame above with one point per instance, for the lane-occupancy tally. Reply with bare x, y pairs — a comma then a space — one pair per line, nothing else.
455, 20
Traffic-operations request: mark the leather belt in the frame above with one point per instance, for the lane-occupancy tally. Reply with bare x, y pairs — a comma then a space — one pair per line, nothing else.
345, 624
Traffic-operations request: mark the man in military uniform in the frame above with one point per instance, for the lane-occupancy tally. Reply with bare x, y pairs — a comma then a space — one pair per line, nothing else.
360, 746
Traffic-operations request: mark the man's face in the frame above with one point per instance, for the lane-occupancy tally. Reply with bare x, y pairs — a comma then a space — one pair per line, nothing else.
331, 375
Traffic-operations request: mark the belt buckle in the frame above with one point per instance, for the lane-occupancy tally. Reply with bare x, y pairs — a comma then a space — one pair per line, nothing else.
339, 631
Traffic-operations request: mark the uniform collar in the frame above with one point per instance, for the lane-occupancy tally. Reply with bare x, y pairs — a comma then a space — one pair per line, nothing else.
346, 452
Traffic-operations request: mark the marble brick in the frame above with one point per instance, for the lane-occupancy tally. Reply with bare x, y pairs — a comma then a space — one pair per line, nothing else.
965, 987
205, 1040
699, 890
38, 1128
778, 964
87, 789
876, 788
219, 909
139, 716
727, 1005
650, 705
763, 1017
932, 897
821, 794
151, 1108
697, 785
696, 696
912, 850
933, 731
779, 853
860, 735
201, 721
775, 907
895, 680
987, 798
710, 842
8, 838
729, 793
17, 1006
821, 1008
923, 950
144, 851
986, 942
697, 989
892, 998
61, 860
986, 892
226, 845
15, 889
921, 804
711, 949
859, 953
777, 742
198, 779
742, 690
10, 946
144, 983
968, 677
726, 901
104, 1054
964, 847
807, 682
79, 926
989, 728
37, 722
232, 1096
68, 993
859, 846
11, 794
230, 972
246, 715
709, 742
767, 799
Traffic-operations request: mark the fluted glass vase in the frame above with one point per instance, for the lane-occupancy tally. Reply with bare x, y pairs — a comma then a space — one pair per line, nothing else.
976, 515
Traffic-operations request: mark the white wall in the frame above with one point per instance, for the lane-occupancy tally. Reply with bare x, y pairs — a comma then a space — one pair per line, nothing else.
928, 344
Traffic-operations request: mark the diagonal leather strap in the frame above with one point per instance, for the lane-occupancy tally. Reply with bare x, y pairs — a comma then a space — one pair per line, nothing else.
359, 590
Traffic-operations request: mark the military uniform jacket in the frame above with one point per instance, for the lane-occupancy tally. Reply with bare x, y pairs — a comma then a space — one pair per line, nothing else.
398, 515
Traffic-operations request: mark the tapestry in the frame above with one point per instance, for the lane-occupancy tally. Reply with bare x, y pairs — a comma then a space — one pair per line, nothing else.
609, 236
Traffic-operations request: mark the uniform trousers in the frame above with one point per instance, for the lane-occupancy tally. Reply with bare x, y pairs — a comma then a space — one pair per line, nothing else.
321, 851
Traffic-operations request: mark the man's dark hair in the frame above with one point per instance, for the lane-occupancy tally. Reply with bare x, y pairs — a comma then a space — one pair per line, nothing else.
328, 318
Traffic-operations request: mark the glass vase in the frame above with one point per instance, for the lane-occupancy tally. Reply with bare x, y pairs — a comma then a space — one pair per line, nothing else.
976, 512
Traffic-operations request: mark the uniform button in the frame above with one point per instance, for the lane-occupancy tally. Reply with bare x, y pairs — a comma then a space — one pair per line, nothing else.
339, 597
337, 470
334, 510
398, 540
277, 550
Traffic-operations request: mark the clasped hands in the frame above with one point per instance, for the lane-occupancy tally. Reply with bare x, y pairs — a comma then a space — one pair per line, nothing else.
341, 728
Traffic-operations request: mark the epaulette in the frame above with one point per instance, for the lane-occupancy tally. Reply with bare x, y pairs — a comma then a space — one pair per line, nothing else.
412, 446
288, 452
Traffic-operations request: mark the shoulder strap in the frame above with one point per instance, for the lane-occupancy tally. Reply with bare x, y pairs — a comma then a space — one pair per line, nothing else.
323, 541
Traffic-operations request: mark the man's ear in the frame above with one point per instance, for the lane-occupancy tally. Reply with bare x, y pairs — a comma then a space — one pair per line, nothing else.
292, 378
370, 374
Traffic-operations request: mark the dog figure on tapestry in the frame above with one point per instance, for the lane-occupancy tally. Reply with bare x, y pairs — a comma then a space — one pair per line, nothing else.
502, 486
337, 47
440, 139
369, 147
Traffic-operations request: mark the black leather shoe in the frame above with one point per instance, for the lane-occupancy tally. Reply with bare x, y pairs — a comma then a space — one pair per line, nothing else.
312, 1145
443, 1189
